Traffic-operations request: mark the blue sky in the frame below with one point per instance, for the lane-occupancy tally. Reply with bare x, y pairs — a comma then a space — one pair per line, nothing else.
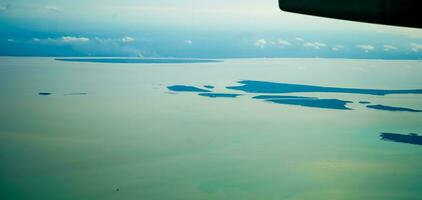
191, 29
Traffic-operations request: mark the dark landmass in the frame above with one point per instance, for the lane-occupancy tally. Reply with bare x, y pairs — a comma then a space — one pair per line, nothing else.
271, 87
250, 86
219, 95
136, 60
412, 138
391, 108
314, 102
77, 93
186, 88
280, 97
44, 93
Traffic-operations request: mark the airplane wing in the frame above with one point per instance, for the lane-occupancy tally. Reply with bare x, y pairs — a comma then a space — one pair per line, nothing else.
406, 13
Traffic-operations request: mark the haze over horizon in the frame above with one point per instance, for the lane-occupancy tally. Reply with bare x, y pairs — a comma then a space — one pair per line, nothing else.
191, 29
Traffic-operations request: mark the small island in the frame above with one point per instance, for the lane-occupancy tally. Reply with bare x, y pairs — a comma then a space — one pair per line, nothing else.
219, 95
251, 86
186, 88
411, 138
44, 93
335, 104
391, 108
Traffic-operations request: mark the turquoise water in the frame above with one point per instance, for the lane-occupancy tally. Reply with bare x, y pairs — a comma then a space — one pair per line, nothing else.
122, 134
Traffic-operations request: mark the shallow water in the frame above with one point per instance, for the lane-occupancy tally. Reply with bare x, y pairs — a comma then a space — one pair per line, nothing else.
129, 137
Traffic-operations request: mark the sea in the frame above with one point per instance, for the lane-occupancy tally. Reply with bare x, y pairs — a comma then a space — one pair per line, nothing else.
161, 129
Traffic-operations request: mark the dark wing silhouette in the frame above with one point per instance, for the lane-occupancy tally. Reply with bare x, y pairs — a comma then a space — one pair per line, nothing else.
390, 12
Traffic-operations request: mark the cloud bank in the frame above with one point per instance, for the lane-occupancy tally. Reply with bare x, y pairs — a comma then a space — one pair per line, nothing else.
366, 47
315, 45
415, 47
261, 43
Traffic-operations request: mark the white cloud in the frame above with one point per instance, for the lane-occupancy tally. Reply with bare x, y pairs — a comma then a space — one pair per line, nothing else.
188, 41
388, 47
4, 7
261, 43
416, 47
315, 45
74, 39
127, 39
116, 41
52, 9
300, 39
46, 40
337, 47
61, 40
366, 47
283, 42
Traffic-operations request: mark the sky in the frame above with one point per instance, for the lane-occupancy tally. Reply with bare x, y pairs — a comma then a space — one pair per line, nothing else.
191, 29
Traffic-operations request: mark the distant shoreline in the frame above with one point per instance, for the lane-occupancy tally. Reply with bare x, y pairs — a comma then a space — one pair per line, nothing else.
212, 58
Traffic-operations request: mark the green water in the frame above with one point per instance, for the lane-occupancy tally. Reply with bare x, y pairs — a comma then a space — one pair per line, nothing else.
129, 134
